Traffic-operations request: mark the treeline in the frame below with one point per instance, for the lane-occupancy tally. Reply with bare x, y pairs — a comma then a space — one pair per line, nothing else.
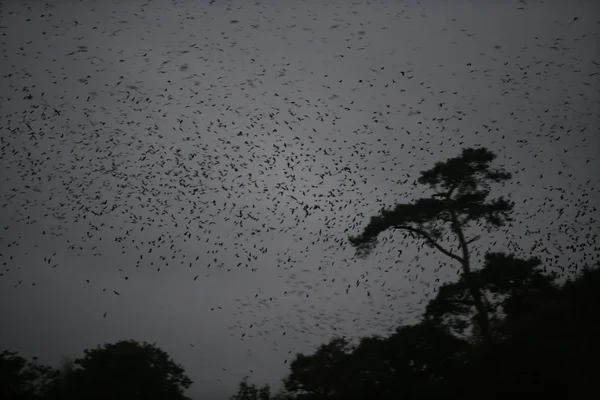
126, 370
546, 342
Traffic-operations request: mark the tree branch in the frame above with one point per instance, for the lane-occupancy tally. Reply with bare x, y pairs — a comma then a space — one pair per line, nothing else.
446, 195
476, 292
451, 191
430, 240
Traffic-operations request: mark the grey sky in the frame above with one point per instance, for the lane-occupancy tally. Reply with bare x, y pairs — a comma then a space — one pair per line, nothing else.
256, 109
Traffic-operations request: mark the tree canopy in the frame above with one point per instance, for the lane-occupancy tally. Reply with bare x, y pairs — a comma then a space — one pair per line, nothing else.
249, 391
21, 379
123, 370
508, 282
546, 344
547, 341
130, 370
461, 186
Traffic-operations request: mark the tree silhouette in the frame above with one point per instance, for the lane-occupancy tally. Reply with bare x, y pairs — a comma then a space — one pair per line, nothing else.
21, 379
512, 283
323, 375
547, 345
62, 385
414, 362
123, 370
249, 391
461, 186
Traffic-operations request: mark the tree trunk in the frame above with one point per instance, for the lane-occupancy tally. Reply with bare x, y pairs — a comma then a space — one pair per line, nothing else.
482, 314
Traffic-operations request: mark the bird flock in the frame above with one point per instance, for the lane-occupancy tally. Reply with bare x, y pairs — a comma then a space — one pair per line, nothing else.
231, 141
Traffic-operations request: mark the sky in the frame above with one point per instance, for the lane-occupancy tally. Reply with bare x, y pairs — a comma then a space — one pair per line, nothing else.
187, 173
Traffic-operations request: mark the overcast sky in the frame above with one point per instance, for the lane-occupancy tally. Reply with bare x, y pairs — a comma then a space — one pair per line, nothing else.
171, 150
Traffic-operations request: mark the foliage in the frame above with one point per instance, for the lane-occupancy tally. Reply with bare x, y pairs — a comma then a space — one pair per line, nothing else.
123, 370
312, 377
545, 346
461, 187
20, 379
249, 391
414, 361
511, 283
550, 347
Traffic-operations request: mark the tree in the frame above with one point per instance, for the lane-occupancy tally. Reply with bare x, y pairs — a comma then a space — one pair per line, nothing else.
249, 391
323, 375
61, 386
546, 344
264, 393
127, 370
415, 362
548, 347
21, 379
461, 186
513, 285
246, 391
